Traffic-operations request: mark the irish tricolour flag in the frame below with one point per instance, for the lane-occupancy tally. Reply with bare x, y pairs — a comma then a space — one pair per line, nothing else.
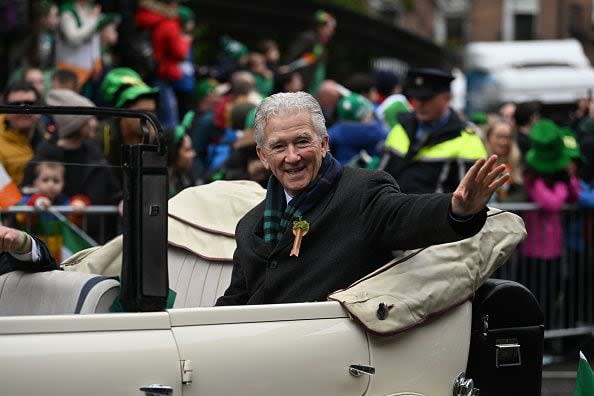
9, 192
584, 385
68, 238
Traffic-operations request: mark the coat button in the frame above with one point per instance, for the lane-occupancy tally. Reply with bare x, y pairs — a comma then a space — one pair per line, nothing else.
273, 264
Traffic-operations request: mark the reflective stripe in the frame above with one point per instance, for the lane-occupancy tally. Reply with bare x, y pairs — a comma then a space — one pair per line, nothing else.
467, 146
397, 140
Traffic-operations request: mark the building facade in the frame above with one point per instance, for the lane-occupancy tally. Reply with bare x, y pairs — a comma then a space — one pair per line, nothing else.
454, 23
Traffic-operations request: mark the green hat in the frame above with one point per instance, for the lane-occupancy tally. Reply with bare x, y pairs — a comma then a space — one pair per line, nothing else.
547, 154
183, 128
572, 147
391, 107
205, 87
322, 17
123, 85
233, 48
353, 107
479, 117
108, 18
185, 14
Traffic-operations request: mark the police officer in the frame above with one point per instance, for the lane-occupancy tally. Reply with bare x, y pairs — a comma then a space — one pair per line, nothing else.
430, 149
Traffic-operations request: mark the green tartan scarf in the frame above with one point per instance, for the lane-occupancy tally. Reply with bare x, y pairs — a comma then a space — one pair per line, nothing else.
278, 215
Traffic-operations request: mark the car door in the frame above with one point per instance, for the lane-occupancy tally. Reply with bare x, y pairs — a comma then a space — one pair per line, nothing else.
285, 349
98, 354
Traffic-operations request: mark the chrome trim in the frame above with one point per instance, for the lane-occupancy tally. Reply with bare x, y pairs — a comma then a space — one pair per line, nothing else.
463, 386
507, 353
157, 390
357, 370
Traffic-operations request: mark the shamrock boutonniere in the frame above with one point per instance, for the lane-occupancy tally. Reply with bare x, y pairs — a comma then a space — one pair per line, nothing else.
300, 229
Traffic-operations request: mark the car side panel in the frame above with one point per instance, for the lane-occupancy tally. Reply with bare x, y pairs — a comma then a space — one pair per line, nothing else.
423, 360
291, 357
92, 362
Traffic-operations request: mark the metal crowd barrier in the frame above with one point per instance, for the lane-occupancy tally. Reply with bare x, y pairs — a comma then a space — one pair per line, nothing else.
564, 287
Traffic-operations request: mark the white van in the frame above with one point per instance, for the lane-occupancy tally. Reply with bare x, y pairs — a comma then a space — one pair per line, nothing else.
554, 72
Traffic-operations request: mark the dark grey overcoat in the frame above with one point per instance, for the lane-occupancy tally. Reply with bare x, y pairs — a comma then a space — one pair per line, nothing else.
352, 232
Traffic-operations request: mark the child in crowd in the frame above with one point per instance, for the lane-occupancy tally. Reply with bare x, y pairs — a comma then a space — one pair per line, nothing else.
550, 186
78, 44
48, 186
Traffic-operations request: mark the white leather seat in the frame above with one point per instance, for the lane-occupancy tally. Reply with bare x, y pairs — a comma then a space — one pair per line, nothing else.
201, 227
56, 292
196, 281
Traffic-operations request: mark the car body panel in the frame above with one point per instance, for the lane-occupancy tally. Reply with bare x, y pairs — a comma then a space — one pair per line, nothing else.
87, 362
289, 349
423, 360
301, 357
82, 323
255, 313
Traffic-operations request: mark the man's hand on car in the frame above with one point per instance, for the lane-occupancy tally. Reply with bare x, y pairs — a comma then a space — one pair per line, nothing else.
14, 241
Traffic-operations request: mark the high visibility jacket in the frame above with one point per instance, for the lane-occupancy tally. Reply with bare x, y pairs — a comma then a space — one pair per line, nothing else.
436, 164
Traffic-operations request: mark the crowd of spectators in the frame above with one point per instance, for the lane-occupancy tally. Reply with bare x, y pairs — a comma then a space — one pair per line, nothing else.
71, 58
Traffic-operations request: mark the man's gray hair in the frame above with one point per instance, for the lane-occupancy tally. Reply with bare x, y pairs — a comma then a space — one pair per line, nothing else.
289, 103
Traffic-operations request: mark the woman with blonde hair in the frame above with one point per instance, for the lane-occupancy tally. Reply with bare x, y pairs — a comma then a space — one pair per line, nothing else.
500, 140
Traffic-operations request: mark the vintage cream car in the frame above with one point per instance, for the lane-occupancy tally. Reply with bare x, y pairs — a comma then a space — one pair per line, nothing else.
58, 336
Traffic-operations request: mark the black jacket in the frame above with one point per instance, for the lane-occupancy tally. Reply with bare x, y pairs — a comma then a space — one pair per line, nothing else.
353, 231
45, 263
418, 176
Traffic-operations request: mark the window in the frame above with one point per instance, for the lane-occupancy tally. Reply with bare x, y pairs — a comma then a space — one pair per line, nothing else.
455, 31
524, 26
519, 19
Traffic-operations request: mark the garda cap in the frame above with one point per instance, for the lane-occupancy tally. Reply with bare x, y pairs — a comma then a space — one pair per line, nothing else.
427, 82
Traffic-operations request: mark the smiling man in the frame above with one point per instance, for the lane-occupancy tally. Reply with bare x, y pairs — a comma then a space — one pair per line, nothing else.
347, 220
430, 149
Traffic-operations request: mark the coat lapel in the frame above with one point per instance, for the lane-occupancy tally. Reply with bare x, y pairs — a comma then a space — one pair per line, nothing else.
286, 243
261, 248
